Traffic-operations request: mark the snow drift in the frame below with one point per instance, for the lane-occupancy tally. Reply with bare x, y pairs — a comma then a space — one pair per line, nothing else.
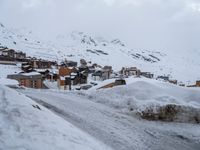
153, 100
26, 125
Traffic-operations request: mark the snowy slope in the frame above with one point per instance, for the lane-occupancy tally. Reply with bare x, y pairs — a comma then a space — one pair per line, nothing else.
106, 115
8, 69
26, 125
141, 95
76, 45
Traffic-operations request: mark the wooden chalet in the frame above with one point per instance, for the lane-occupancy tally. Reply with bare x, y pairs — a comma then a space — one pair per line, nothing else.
30, 80
101, 75
19, 55
69, 76
147, 75
42, 64
2, 49
130, 71
68, 63
8, 53
198, 83
11, 55
173, 82
195, 85
164, 78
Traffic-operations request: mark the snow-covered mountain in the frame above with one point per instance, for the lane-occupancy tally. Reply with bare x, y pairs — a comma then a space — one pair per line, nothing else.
183, 66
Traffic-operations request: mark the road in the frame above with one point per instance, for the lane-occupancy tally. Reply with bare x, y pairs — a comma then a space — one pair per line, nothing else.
114, 128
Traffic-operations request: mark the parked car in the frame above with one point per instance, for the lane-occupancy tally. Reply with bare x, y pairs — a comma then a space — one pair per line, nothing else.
86, 87
93, 83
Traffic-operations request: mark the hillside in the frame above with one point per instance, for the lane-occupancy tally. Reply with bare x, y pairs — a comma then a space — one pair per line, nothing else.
76, 45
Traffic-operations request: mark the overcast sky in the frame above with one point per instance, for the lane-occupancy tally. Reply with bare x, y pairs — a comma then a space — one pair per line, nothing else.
148, 24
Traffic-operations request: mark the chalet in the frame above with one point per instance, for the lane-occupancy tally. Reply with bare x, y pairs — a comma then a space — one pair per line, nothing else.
62, 74
75, 79
30, 80
8, 53
40, 64
180, 83
108, 68
83, 68
101, 75
195, 85
19, 55
116, 75
68, 63
198, 83
147, 75
164, 78
61, 83
65, 71
105, 74
44, 73
91, 69
2, 49
82, 78
173, 82
53, 74
130, 71
69, 76
26, 67
97, 75
11, 55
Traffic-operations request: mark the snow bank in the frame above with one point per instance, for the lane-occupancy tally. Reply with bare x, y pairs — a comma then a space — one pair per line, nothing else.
153, 100
8, 69
51, 85
26, 125
8, 82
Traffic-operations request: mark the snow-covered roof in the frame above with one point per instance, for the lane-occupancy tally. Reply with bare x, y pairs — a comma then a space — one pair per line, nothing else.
25, 66
54, 71
41, 70
31, 74
70, 67
73, 74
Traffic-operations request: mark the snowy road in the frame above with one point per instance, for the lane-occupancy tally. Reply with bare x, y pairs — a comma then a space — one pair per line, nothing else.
115, 129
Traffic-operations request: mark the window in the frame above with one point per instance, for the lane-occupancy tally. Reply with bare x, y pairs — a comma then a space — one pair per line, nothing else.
34, 84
